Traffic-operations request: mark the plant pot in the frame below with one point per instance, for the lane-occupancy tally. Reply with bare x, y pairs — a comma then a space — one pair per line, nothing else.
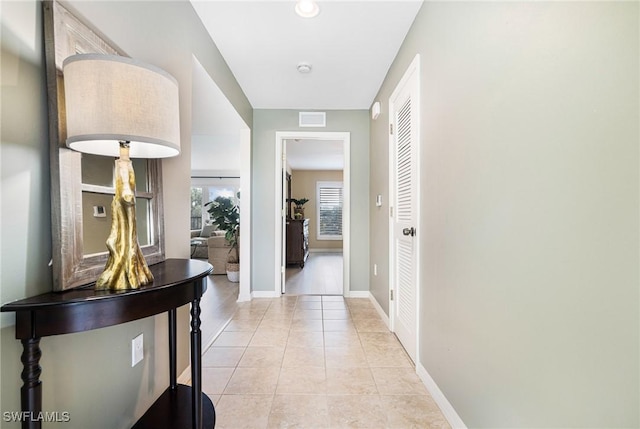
233, 272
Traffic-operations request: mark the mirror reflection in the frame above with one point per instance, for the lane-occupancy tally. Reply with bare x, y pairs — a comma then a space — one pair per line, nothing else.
97, 193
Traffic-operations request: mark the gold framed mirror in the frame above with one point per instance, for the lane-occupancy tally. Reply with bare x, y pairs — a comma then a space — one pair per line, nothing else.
82, 185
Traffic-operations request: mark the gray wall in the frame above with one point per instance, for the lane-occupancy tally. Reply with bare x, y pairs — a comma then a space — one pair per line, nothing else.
530, 221
265, 125
89, 374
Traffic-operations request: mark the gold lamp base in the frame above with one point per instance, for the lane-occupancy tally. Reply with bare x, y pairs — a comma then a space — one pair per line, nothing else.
126, 267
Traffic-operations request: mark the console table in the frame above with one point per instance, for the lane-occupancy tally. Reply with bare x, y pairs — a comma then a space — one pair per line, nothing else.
176, 282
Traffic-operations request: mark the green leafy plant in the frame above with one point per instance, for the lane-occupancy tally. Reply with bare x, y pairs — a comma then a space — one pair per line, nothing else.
299, 202
226, 215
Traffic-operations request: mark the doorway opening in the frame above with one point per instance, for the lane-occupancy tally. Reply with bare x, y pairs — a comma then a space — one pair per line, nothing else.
312, 219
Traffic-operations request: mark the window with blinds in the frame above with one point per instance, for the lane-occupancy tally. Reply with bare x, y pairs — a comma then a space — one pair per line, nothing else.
329, 210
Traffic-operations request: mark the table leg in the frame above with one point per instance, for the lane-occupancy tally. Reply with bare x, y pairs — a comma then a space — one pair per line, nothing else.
173, 377
196, 368
31, 391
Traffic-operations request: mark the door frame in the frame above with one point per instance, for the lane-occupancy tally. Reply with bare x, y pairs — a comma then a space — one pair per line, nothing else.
280, 217
412, 72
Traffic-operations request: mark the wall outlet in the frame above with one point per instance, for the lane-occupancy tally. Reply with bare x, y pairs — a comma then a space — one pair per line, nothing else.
137, 350
375, 269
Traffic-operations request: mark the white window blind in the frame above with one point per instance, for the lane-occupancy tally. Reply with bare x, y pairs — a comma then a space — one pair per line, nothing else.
329, 207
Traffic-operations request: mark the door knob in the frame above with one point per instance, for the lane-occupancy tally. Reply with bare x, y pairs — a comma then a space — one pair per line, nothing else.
409, 231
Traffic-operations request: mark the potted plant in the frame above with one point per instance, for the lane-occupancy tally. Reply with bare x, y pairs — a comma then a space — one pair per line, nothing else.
226, 215
298, 210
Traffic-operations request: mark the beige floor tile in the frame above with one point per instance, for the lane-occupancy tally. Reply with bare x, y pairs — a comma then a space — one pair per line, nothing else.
262, 357
358, 302
413, 412
379, 340
214, 380
356, 411
302, 380
309, 305
222, 356
341, 339
249, 313
398, 381
334, 298
345, 357
265, 336
370, 325
388, 357
306, 325
307, 315
334, 305
309, 298
339, 326
275, 323
342, 314
239, 325
350, 381
364, 313
215, 399
299, 411
253, 381
283, 316
305, 339
233, 339
243, 411
303, 357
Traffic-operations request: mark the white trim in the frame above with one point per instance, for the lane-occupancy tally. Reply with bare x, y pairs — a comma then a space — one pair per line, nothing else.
357, 294
265, 294
244, 289
443, 403
346, 195
379, 309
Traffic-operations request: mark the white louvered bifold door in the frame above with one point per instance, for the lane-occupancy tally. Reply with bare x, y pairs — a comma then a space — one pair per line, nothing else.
404, 216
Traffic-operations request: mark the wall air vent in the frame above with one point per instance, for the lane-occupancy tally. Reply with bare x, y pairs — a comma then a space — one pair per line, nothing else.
312, 119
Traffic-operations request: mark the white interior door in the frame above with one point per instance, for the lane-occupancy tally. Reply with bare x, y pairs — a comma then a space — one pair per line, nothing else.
404, 138
283, 220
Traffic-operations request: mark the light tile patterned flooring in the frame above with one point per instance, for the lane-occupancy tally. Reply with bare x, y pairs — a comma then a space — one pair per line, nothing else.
314, 362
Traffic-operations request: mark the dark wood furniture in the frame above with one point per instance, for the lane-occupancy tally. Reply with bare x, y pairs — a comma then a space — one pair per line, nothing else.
176, 282
297, 241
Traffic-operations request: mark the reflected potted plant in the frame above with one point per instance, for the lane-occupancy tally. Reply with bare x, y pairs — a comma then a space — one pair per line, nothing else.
226, 215
298, 209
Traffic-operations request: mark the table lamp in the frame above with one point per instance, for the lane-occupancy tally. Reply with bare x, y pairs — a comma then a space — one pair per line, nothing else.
120, 107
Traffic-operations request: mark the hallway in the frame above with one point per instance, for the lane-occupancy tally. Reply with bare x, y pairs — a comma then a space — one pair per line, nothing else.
315, 362
321, 275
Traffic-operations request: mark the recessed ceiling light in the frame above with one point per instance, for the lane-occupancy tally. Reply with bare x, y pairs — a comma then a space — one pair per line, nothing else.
307, 8
304, 68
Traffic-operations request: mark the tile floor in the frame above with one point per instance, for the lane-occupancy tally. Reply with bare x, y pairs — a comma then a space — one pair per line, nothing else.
321, 275
314, 362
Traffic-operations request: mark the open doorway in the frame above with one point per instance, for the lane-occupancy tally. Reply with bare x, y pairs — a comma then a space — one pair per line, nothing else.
220, 167
312, 236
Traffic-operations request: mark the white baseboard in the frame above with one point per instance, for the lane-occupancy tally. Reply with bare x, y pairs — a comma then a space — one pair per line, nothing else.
357, 294
265, 294
445, 406
327, 250
379, 309
244, 297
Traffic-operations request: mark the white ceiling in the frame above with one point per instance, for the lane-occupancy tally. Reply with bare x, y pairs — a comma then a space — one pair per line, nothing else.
350, 46
308, 154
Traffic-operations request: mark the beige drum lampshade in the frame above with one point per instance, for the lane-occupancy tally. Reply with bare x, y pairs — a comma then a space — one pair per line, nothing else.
109, 98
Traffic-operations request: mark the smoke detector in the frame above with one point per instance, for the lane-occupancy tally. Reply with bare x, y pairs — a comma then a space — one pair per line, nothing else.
304, 68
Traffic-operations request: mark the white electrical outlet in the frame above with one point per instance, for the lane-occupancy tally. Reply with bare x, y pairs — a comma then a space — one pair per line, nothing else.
375, 269
137, 350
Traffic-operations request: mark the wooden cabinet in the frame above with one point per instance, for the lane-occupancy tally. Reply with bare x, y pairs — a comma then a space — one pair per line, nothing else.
297, 241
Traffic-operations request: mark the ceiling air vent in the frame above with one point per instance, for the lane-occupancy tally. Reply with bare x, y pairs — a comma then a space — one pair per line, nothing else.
312, 119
